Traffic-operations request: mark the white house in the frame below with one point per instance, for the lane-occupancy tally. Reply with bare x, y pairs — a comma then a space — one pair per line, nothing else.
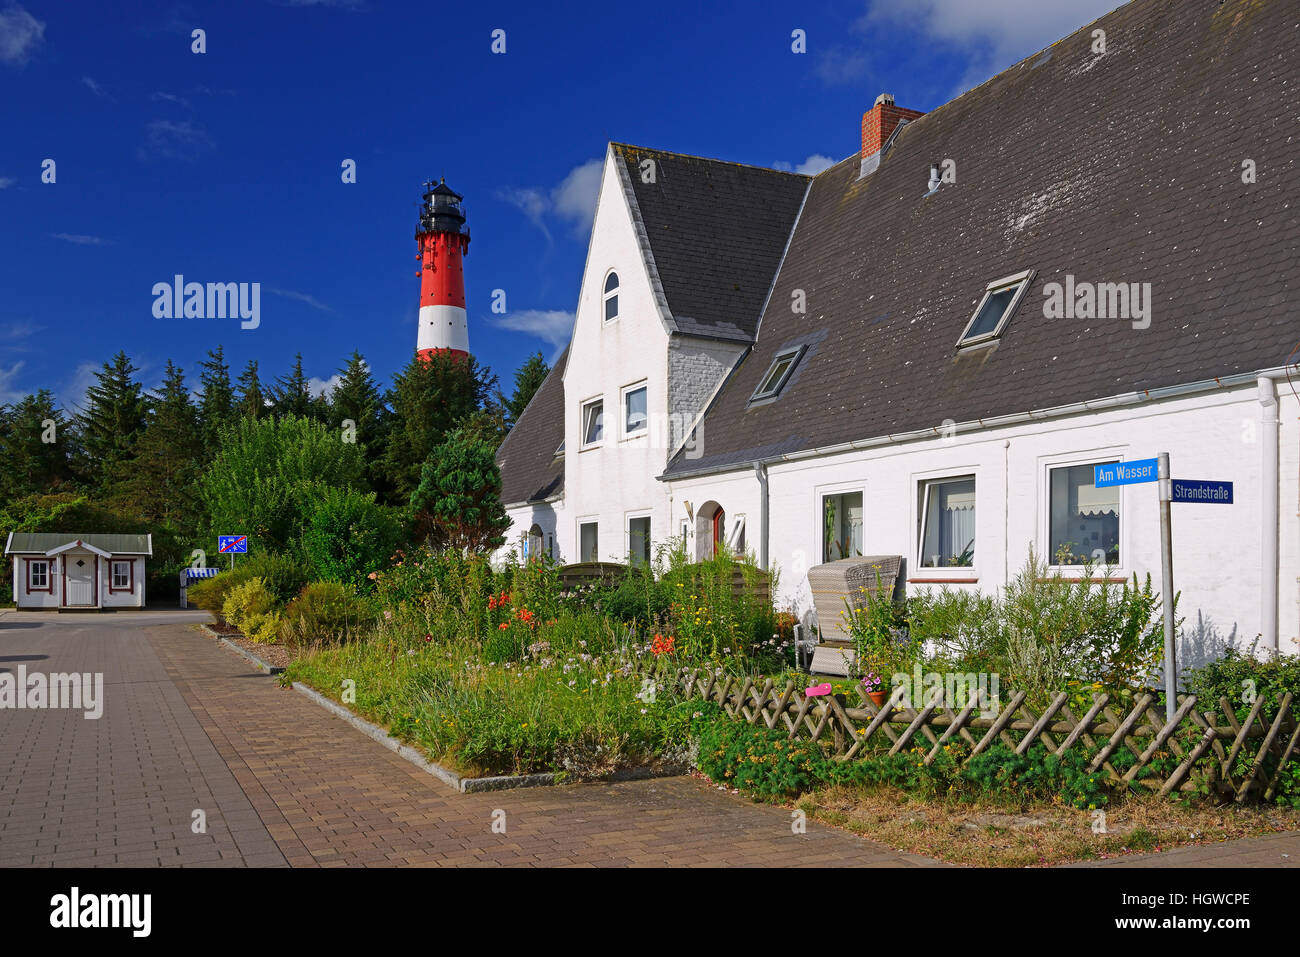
70, 571
926, 349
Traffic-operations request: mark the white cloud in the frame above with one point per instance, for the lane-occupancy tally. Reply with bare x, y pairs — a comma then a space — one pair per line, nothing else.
184, 140
300, 297
6, 182
80, 239
323, 387
9, 391
550, 325
19, 330
837, 66
171, 98
93, 86
994, 33
74, 394
572, 201
813, 165
20, 35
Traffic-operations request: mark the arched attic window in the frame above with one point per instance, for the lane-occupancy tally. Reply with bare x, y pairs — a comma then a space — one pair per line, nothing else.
611, 296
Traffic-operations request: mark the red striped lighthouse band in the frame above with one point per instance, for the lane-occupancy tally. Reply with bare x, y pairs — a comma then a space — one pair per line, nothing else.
443, 243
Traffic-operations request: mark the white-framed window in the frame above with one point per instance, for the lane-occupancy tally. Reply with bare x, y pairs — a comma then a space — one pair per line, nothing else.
1083, 521
777, 374
610, 296
946, 536
636, 413
593, 423
638, 540
842, 525
121, 572
588, 541
38, 575
998, 304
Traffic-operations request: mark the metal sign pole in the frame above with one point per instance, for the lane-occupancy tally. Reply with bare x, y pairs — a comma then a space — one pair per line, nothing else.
1167, 586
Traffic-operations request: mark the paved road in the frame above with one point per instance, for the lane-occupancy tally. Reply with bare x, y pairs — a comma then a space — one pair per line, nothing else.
188, 725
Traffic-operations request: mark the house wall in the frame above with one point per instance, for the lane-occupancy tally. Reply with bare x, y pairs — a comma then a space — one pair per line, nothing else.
695, 368
1217, 548
545, 515
616, 479
22, 598
134, 598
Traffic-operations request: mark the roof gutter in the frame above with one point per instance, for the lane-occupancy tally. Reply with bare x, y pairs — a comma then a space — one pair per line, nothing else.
1015, 418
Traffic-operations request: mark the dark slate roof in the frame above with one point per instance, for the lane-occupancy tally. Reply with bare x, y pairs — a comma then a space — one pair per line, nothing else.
1119, 168
715, 232
530, 469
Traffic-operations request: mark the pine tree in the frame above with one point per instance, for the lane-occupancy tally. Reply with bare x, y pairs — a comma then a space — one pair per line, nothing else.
458, 501
252, 399
112, 423
35, 444
292, 394
216, 397
429, 398
357, 400
528, 379
161, 486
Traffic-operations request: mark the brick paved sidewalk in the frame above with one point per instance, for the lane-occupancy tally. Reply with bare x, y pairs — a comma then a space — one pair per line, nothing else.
122, 789
1271, 850
330, 796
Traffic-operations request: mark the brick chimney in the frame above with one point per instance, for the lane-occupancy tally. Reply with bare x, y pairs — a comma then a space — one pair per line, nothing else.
878, 124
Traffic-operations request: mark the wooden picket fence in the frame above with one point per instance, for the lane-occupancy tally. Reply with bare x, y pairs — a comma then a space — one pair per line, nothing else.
861, 729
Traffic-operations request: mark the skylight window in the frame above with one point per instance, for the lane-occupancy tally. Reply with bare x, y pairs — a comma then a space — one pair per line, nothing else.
1001, 298
777, 375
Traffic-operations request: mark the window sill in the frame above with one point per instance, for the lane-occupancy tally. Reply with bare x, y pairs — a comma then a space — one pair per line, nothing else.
969, 580
1078, 579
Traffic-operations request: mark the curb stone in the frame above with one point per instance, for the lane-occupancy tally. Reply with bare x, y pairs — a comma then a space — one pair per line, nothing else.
269, 668
371, 730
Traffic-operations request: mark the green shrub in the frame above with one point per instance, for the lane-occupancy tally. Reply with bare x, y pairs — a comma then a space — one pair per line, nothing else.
324, 613
252, 608
1037, 774
210, 593
349, 535
760, 760
282, 575
1240, 677
1243, 679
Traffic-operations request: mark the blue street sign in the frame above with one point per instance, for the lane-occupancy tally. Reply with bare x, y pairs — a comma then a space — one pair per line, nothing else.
1124, 473
1200, 490
229, 544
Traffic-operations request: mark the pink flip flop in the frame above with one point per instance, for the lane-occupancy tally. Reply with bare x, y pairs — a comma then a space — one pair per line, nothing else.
818, 690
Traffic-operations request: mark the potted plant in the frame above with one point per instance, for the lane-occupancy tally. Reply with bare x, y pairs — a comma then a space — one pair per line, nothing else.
874, 686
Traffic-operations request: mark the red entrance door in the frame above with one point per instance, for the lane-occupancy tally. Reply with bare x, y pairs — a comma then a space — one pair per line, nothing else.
719, 528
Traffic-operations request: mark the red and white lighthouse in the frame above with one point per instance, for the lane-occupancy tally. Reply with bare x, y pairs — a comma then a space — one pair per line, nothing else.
443, 241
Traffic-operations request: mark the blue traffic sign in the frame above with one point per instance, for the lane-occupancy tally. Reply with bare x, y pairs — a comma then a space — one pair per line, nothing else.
230, 544
1200, 490
1124, 473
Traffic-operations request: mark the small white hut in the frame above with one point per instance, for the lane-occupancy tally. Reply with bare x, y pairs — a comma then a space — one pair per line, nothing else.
64, 570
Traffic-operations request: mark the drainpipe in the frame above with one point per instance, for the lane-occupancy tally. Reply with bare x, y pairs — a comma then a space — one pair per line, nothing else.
760, 473
1269, 512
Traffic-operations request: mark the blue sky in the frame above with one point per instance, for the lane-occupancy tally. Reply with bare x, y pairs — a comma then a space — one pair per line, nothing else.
225, 166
